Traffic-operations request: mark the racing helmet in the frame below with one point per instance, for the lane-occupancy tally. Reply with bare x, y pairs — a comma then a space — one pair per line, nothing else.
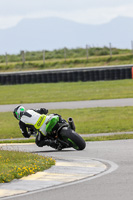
18, 112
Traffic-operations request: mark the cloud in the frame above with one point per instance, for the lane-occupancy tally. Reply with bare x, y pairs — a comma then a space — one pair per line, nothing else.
15, 7
100, 15
90, 15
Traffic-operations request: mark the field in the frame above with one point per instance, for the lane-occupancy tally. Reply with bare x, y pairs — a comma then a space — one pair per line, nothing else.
95, 56
18, 164
87, 121
51, 92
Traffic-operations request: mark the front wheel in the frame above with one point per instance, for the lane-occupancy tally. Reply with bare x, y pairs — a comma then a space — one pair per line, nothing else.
71, 137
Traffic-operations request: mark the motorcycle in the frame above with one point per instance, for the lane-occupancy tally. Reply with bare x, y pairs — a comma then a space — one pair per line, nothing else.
66, 137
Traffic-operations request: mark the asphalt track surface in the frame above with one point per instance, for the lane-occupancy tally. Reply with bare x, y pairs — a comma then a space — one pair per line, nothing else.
73, 104
115, 182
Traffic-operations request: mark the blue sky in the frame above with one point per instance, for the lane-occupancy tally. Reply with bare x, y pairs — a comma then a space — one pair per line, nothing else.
83, 11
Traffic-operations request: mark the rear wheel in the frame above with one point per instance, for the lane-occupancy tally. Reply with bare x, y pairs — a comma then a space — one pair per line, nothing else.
70, 136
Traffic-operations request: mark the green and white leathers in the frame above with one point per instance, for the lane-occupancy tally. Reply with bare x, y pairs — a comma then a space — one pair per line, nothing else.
43, 123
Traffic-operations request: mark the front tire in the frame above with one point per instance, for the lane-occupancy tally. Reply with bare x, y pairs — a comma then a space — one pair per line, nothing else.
71, 137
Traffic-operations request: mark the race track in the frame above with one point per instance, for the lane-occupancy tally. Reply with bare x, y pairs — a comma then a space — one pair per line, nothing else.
73, 104
114, 182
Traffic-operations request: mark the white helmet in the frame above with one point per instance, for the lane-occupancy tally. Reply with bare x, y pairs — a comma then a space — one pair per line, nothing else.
18, 112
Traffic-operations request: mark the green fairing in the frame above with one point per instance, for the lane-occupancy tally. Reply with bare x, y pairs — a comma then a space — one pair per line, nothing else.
51, 124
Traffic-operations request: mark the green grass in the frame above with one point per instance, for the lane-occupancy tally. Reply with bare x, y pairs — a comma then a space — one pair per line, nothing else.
112, 137
69, 63
15, 165
59, 54
100, 120
9, 126
74, 58
87, 121
58, 92
14, 141
122, 136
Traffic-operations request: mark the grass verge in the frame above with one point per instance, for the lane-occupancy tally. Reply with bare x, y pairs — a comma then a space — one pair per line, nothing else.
15, 165
98, 138
87, 121
14, 141
58, 92
110, 137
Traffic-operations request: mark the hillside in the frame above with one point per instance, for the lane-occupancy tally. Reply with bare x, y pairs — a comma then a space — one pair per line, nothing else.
55, 33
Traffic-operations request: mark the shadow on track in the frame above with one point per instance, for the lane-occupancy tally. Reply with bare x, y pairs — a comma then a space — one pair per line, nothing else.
50, 151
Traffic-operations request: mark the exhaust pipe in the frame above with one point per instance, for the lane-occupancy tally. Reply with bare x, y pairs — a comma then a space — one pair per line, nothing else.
71, 123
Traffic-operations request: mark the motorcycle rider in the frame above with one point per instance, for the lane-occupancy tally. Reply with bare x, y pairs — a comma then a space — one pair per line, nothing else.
32, 120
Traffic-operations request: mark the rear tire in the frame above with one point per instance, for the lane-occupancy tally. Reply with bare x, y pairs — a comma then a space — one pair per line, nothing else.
70, 136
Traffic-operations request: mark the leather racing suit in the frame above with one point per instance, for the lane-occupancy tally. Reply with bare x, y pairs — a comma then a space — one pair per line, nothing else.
37, 120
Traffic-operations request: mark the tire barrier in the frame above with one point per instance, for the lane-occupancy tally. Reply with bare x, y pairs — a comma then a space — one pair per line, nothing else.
68, 75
